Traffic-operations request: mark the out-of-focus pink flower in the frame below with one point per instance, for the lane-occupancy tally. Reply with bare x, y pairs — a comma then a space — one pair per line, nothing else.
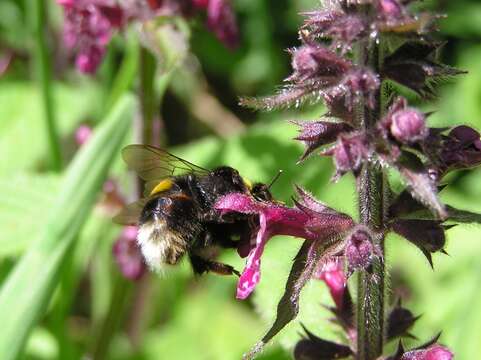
83, 134
127, 254
5, 61
311, 220
221, 21
332, 273
88, 27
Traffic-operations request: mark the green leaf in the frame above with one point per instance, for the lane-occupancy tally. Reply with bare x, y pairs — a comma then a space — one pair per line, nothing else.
21, 122
28, 288
25, 200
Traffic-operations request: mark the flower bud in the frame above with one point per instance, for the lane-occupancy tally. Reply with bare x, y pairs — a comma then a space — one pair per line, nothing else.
389, 9
408, 125
311, 61
349, 153
359, 249
434, 352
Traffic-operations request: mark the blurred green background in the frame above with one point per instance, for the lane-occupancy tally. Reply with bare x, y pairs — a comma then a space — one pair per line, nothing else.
67, 285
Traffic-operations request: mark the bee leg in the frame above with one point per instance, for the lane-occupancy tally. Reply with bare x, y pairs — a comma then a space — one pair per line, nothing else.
213, 216
201, 265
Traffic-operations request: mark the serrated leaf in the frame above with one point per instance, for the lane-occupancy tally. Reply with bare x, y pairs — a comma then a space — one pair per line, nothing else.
27, 290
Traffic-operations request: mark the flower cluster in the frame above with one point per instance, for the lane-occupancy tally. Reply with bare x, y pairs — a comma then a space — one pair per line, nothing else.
354, 55
90, 24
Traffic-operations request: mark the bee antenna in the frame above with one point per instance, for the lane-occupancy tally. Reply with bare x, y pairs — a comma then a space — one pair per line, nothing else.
278, 175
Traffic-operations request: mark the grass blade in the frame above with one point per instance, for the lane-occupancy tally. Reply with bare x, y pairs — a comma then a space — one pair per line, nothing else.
26, 292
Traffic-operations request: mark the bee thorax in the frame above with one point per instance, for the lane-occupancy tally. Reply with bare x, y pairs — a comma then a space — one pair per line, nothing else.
159, 245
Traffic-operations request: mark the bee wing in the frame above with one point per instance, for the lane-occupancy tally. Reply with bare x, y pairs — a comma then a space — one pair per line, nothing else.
130, 214
152, 163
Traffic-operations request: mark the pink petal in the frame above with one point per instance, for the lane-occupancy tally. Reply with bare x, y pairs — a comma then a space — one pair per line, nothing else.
332, 274
237, 202
252, 273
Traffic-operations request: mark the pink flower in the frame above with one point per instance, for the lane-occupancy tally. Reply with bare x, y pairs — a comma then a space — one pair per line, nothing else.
83, 134
88, 27
221, 21
127, 254
310, 220
332, 273
434, 352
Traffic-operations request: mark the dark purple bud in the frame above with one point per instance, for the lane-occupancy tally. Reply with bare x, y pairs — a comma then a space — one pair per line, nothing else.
221, 21
318, 133
408, 125
400, 320
127, 254
461, 149
360, 249
427, 235
277, 219
356, 85
349, 154
314, 348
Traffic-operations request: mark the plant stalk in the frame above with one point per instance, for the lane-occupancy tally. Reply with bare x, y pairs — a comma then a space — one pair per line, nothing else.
44, 71
370, 295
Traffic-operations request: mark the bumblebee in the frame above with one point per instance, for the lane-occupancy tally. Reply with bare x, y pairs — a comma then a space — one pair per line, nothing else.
177, 216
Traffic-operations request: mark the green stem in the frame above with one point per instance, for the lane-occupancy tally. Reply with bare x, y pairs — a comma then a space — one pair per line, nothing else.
120, 298
42, 57
370, 296
147, 96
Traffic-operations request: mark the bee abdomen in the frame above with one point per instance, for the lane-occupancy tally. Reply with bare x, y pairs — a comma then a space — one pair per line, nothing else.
160, 245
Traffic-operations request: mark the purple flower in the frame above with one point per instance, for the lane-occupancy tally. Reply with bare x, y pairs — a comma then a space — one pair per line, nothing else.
356, 85
221, 21
434, 352
88, 27
334, 23
408, 125
311, 220
390, 9
127, 254
349, 153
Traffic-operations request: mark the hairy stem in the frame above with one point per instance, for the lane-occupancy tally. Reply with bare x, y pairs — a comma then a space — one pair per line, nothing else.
370, 297
44, 72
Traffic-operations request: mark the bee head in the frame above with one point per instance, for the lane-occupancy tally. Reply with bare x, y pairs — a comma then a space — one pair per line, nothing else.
155, 208
231, 176
261, 192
